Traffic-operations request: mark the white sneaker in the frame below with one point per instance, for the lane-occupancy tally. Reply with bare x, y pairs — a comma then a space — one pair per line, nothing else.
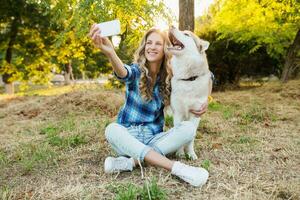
195, 176
118, 164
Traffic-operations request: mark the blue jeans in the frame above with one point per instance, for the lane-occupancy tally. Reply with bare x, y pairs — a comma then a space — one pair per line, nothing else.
137, 141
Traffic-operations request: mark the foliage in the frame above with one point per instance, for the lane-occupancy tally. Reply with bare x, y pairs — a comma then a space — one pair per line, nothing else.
24, 32
44, 36
135, 16
239, 49
272, 24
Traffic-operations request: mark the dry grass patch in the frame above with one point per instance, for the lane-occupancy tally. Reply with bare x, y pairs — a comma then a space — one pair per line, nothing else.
53, 147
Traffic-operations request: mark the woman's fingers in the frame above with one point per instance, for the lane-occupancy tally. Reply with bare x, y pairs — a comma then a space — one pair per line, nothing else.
93, 29
97, 37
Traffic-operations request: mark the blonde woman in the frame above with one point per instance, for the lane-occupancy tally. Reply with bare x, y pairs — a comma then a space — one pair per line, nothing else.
138, 135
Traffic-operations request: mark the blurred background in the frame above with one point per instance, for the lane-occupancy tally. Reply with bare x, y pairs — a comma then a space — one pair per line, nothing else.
44, 42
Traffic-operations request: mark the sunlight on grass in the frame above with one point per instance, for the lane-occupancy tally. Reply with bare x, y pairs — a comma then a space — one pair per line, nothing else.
50, 90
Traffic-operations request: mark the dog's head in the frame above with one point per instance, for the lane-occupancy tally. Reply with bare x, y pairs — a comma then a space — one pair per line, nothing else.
184, 42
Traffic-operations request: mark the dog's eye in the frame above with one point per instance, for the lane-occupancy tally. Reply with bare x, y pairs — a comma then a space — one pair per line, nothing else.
187, 34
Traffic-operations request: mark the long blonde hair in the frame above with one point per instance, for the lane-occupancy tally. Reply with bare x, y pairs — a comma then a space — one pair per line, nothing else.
165, 73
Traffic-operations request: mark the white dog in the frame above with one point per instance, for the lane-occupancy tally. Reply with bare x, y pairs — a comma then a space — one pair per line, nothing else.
190, 81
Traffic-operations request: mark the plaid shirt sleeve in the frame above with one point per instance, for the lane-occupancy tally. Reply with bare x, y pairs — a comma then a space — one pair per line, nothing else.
131, 73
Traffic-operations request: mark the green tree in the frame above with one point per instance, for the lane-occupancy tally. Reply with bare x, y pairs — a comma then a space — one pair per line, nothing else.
136, 16
38, 36
271, 24
24, 25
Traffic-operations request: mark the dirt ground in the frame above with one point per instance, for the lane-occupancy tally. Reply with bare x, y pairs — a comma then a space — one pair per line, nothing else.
53, 147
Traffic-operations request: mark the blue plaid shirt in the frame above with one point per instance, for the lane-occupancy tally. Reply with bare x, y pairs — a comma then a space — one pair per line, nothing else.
135, 111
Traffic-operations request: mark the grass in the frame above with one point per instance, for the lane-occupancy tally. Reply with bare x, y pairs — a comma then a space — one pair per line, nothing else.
206, 164
226, 110
5, 193
53, 146
31, 156
3, 158
129, 191
169, 121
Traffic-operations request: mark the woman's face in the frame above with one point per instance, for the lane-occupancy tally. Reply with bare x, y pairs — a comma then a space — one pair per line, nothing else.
154, 48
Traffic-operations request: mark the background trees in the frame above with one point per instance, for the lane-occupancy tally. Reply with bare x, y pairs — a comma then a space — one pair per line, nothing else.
38, 37
248, 38
251, 38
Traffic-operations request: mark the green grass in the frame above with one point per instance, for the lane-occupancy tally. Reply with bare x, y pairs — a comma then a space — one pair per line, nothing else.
67, 141
206, 164
226, 110
30, 156
245, 139
53, 131
128, 191
66, 125
5, 193
169, 121
256, 114
49, 130
3, 158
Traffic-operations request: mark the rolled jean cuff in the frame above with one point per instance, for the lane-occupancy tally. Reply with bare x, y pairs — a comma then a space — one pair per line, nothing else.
155, 148
145, 150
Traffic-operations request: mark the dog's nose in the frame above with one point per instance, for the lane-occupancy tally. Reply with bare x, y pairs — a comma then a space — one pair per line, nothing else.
172, 27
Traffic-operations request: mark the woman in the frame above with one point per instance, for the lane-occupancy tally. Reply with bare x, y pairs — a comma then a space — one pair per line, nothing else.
138, 132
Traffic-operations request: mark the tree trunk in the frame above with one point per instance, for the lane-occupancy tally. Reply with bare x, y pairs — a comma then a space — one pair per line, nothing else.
68, 73
9, 87
291, 62
186, 15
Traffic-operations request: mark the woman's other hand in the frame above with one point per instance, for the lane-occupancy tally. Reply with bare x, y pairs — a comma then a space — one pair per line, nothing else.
201, 111
102, 43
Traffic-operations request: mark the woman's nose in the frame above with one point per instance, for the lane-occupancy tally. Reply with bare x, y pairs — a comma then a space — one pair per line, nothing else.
152, 46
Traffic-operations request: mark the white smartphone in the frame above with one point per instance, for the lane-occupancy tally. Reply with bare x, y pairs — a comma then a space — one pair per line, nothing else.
110, 28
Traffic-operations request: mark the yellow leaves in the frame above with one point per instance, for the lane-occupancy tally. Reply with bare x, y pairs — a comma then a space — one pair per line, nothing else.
266, 22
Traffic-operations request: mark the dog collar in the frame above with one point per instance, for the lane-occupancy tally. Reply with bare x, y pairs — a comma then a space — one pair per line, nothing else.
190, 79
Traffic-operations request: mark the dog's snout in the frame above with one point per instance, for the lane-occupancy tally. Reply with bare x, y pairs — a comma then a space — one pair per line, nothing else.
172, 27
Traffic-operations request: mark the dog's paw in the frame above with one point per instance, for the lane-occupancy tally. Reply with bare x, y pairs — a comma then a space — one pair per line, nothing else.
180, 154
192, 156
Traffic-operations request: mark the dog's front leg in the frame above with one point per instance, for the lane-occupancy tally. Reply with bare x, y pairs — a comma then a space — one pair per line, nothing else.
190, 146
190, 150
177, 119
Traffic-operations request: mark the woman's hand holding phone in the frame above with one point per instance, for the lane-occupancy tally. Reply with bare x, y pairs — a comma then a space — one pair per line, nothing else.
100, 42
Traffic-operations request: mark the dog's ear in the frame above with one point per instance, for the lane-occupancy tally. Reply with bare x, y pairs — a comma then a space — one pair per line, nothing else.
202, 45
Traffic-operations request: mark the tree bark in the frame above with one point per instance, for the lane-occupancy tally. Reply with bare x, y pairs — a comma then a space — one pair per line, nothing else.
68, 73
9, 87
292, 62
186, 15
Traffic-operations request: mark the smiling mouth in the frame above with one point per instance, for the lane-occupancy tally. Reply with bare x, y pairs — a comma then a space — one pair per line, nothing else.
152, 52
176, 44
